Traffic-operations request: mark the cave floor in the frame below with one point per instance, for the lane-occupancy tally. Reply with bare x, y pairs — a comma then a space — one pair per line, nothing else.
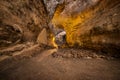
46, 67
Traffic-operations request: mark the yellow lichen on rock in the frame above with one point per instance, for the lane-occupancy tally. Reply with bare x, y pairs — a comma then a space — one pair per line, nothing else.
70, 23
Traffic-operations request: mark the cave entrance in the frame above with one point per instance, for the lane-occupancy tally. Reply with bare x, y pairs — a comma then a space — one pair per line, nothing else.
59, 38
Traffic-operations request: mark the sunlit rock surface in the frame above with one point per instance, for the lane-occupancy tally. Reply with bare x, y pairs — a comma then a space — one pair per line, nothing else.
21, 21
90, 23
42, 37
60, 38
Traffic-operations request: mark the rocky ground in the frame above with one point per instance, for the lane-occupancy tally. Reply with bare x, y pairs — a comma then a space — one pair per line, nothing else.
36, 63
82, 53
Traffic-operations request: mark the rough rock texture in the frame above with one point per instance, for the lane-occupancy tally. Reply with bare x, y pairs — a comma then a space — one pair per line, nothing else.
51, 6
21, 21
90, 23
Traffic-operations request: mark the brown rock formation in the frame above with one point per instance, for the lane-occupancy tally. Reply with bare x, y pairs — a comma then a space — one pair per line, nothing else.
21, 21
92, 24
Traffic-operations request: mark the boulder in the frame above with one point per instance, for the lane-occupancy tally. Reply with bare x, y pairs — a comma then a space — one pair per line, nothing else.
42, 37
60, 38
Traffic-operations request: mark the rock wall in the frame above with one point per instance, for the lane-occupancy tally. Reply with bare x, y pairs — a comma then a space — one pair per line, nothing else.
51, 6
90, 23
21, 21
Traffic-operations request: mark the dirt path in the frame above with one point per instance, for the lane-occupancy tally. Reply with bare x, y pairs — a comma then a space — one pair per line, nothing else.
46, 67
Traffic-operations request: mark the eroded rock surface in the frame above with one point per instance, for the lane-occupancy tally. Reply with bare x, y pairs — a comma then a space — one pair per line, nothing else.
90, 23
21, 21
